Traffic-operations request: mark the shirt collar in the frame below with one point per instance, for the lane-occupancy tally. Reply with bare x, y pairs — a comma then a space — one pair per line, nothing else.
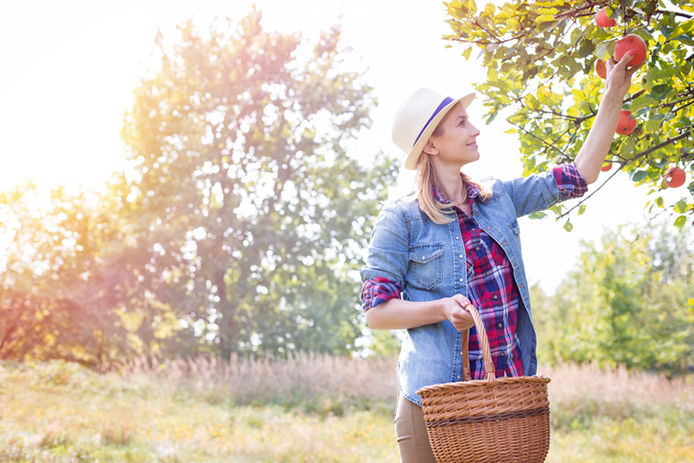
440, 196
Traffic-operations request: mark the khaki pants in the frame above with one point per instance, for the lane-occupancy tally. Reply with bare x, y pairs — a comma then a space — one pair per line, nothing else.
413, 441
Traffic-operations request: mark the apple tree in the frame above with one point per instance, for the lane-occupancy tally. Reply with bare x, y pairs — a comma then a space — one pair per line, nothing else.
541, 62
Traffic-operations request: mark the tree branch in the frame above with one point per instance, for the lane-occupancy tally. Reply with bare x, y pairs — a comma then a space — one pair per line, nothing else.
583, 200
640, 155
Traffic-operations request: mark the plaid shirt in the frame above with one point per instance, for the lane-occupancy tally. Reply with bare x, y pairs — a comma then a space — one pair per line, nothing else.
491, 286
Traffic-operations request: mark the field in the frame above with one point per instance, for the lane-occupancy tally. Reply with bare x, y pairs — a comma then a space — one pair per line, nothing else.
305, 409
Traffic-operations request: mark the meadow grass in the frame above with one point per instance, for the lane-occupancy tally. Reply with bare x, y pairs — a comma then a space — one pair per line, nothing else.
308, 408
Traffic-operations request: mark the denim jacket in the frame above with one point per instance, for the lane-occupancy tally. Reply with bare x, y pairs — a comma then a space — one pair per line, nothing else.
428, 261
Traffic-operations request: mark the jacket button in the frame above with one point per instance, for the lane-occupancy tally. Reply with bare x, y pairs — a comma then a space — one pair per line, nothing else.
504, 243
499, 325
461, 256
461, 280
457, 237
489, 228
501, 354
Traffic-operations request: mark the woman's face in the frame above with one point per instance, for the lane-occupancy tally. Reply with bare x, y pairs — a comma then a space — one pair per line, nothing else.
455, 139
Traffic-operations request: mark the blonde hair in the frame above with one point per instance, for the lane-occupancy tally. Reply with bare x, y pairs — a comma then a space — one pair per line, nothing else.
426, 177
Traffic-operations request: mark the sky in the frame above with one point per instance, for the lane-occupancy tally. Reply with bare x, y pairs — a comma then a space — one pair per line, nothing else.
69, 69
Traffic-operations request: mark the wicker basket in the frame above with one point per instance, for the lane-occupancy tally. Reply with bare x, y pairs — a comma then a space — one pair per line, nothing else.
489, 420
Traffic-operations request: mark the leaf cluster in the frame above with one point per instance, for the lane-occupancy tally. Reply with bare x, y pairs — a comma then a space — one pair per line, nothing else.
628, 302
238, 224
540, 58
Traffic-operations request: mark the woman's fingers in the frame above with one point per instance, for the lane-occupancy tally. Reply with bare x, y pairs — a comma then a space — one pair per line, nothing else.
459, 316
461, 300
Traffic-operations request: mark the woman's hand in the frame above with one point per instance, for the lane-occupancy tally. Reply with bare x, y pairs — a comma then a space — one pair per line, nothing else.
454, 309
619, 76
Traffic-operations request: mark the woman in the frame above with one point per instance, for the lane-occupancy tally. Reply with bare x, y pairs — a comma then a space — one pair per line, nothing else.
456, 242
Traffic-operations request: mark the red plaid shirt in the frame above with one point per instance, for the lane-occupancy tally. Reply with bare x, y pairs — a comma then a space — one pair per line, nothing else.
491, 286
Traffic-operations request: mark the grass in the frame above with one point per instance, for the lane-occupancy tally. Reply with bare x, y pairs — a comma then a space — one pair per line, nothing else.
306, 409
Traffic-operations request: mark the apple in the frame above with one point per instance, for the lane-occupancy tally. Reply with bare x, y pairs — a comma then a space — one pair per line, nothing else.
601, 68
626, 123
674, 177
605, 167
633, 43
602, 20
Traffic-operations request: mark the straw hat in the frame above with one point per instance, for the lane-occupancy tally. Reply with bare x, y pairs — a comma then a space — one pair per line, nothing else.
417, 118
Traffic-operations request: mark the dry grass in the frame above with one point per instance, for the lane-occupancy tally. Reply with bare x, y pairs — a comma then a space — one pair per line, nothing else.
304, 409
572, 382
301, 379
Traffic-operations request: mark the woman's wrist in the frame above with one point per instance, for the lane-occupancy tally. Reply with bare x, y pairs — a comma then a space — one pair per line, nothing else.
612, 100
440, 309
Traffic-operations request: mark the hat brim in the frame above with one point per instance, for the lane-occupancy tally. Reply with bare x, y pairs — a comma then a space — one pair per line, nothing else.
415, 153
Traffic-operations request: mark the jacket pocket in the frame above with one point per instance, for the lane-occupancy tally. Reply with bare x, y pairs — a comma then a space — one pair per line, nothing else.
426, 265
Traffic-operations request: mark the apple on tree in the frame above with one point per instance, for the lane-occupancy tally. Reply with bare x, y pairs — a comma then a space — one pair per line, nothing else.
626, 123
602, 20
634, 44
674, 177
606, 166
601, 68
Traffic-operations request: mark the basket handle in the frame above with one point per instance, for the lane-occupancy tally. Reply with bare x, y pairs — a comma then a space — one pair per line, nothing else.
490, 372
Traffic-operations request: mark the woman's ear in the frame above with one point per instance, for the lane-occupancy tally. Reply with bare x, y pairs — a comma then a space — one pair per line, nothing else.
430, 148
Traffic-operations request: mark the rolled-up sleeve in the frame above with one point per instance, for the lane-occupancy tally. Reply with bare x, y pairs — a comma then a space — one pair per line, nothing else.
569, 181
377, 291
387, 258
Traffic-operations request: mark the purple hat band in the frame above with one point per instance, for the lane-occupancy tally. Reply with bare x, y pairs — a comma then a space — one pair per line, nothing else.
448, 100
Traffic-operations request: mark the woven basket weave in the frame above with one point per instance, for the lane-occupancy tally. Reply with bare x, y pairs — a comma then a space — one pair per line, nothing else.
488, 420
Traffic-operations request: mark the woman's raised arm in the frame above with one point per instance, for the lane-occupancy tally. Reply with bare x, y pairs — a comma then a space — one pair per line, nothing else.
597, 144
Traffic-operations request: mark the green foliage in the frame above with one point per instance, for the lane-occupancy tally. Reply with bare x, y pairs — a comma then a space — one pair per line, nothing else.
245, 198
540, 58
238, 225
64, 271
629, 302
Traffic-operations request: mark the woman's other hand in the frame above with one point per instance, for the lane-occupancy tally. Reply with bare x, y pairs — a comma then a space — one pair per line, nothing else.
454, 309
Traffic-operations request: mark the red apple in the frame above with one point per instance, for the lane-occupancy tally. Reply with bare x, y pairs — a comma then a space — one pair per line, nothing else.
626, 123
633, 43
674, 177
601, 68
605, 167
602, 20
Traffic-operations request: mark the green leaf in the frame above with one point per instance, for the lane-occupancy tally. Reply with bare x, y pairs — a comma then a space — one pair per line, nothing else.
537, 215
544, 18
586, 48
680, 221
639, 175
604, 49
568, 226
659, 201
581, 209
681, 206
686, 27
660, 91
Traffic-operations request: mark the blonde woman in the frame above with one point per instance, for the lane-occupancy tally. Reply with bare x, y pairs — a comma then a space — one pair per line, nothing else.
455, 242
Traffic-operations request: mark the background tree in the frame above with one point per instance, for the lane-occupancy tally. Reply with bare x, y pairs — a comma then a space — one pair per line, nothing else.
62, 276
244, 194
629, 302
540, 58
